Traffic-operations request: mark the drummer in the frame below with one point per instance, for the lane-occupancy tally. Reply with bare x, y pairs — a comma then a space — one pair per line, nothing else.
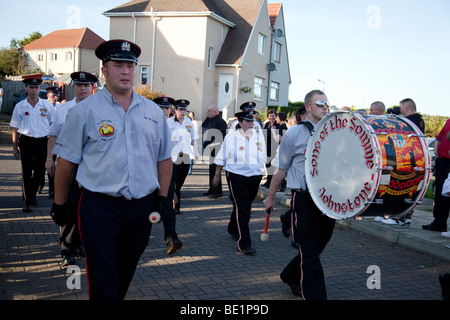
314, 229
243, 155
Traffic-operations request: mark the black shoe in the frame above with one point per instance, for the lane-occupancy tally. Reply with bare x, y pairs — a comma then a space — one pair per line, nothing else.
79, 251
27, 208
68, 259
434, 227
248, 251
206, 193
295, 288
174, 246
215, 195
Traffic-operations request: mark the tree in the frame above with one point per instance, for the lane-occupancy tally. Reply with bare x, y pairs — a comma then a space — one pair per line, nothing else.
22, 43
13, 61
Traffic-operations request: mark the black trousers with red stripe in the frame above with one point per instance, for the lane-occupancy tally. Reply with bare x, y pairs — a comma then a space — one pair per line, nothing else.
33, 152
243, 191
114, 232
313, 231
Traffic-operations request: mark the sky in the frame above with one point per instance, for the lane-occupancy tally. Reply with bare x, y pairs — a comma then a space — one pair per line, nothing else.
357, 51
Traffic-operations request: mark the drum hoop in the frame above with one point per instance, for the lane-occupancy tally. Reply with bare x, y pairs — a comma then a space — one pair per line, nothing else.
377, 162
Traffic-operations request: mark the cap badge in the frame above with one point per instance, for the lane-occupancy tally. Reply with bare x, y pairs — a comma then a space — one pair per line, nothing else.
126, 46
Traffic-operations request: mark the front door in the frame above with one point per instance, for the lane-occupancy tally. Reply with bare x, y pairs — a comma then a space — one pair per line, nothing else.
225, 91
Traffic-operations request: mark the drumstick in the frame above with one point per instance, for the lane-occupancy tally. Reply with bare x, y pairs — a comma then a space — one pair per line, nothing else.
265, 235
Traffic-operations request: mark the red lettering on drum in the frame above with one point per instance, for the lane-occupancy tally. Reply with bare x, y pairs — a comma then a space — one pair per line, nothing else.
324, 132
338, 123
365, 142
315, 155
347, 205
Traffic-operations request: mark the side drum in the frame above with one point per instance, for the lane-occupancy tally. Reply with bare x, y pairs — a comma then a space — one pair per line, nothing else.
366, 165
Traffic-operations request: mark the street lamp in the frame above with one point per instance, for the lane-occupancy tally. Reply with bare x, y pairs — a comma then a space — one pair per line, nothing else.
323, 82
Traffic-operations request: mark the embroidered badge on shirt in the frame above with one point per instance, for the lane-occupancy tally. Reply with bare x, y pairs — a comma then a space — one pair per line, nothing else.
106, 130
43, 112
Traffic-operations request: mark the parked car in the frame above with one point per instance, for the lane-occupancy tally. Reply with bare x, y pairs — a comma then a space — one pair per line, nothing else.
22, 95
430, 143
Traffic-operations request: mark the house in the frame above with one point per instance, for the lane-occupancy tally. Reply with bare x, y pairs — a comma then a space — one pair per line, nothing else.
64, 51
208, 51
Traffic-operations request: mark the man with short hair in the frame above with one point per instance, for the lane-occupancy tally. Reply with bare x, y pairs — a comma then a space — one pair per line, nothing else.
121, 143
31, 121
69, 238
313, 229
214, 129
409, 110
377, 108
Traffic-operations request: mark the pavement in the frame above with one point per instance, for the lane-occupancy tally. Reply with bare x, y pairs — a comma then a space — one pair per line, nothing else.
209, 267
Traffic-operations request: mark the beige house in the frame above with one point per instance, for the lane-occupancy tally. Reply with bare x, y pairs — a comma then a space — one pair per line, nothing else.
64, 51
209, 52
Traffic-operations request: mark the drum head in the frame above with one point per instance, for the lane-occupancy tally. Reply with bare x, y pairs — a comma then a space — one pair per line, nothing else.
341, 165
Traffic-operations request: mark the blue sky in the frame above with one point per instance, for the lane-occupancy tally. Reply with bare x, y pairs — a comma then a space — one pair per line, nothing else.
363, 51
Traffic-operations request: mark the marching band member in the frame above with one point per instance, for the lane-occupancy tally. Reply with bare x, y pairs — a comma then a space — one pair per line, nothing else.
243, 155
304, 274
184, 135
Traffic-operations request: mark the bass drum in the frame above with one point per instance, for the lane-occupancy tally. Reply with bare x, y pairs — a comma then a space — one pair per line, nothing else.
366, 165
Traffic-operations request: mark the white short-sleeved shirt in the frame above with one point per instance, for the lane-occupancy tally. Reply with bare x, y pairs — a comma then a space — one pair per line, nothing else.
32, 121
182, 136
241, 156
291, 155
117, 151
59, 117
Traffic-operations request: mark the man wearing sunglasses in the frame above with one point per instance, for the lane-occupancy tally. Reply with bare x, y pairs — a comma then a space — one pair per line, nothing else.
313, 229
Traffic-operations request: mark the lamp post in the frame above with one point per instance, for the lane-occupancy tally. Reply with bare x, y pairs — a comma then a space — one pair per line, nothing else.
323, 82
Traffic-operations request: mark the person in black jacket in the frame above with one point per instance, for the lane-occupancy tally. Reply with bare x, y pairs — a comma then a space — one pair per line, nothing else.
214, 129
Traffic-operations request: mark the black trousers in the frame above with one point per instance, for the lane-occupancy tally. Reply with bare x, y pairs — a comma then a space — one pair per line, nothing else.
243, 191
441, 204
115, 233
313, 231
213, 189
33, 153
169, 218
180, 171
69, 236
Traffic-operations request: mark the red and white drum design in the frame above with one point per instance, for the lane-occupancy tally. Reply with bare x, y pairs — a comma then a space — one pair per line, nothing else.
366, 165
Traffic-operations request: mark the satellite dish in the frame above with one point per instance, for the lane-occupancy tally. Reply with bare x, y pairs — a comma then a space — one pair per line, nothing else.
279, 33
272, 66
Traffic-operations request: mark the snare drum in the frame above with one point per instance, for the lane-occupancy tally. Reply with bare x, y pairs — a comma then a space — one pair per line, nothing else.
366, 165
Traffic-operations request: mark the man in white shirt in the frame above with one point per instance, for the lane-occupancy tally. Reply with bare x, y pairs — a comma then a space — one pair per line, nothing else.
31, 120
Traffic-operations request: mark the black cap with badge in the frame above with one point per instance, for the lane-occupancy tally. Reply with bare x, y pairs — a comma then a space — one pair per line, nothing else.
246, 115
248, 106
181, 104
54, 90
33, 82
164, 102
118, 50
82, 77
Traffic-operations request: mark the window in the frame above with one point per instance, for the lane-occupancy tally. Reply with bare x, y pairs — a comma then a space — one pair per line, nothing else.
210, 53
274, 91
277, 52
258, 88
68, 56
261, 44
40, 57
144, 75
54, 56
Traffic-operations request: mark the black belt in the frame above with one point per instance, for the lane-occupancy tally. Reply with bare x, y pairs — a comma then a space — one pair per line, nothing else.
299, 190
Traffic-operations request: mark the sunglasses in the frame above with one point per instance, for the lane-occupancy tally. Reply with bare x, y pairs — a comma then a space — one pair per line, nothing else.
321, 104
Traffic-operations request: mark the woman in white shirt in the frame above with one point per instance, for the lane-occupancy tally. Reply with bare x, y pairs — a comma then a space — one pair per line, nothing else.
243, 155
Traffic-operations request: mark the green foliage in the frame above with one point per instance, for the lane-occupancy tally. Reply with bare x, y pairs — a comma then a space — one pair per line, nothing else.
433, 124
17, 44
12, 62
